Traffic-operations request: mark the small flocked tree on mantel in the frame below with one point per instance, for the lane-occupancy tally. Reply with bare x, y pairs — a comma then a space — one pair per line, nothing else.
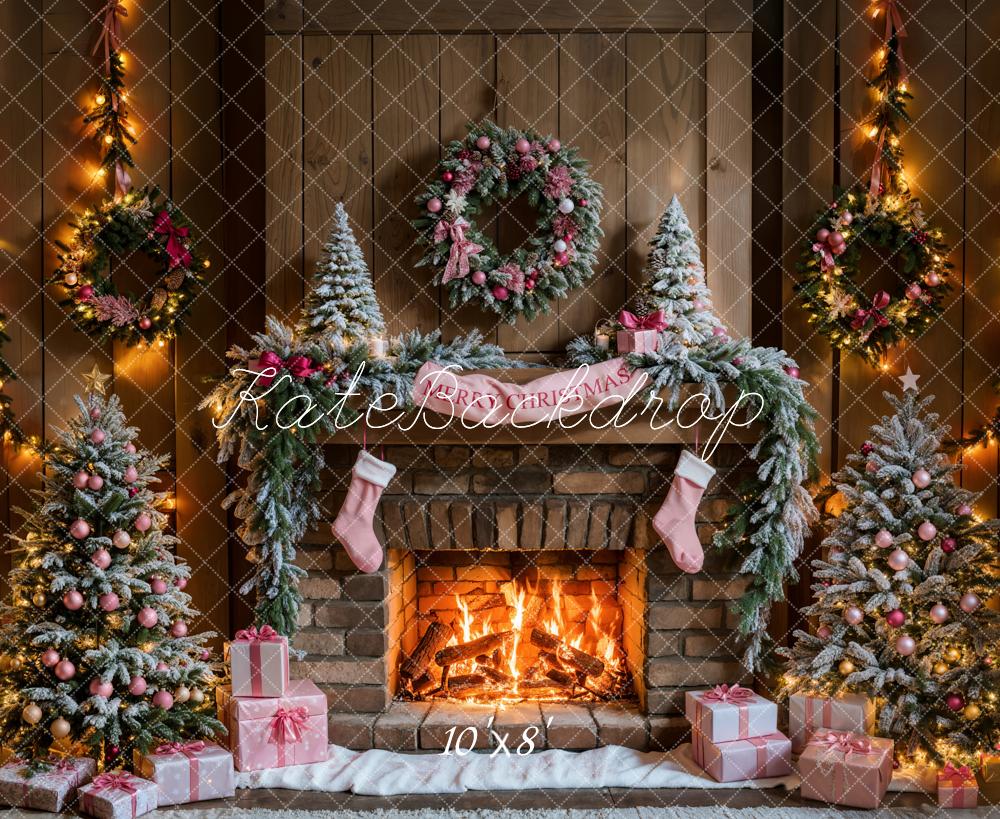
900, 597
94, 645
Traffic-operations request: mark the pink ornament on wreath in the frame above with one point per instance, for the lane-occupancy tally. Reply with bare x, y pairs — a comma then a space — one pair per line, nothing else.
79, 528
65, 670
927, 531
97, 436
921, 479
584, 202
143, 521
871, 467
109, 602
130, 448
822, 235
895, 618
161, 666
853, 615
479, 278
719, 332
50, 657
101, 688
964, 510
73, 600
793, 371
157, 586
554, 145
85, 292
179, 629
121, 539
932, 279
898, 560
180, 582
163, 699
905, 645
95, 413
969, 602
447, 177
137, 686
80, 479
147, 617
522, 146
205, 654
883, 538
500, 293
847, 217
95, 483
101, 558
483, 143
913, 291
145, 323
938, 613
434, 205
131, 474
824, 633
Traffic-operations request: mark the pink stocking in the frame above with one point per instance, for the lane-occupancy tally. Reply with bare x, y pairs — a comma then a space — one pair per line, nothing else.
353, 526
674, 522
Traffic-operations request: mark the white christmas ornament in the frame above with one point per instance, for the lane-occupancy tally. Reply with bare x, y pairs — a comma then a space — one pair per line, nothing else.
566, 206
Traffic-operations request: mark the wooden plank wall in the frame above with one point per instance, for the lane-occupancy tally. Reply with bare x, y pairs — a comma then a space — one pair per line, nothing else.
362, 116
49, 163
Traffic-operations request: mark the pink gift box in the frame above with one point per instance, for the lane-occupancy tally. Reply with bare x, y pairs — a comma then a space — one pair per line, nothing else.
189, 772
49, 788
846, 769
742, 759
725, 713
637, 341
118, 795
808, 714
957, 787
274, 732
258, 660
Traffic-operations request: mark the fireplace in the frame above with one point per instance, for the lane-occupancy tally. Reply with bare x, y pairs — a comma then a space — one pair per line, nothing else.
512, 626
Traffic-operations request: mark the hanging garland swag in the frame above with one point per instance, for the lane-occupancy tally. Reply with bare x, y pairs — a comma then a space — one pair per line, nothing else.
492, 165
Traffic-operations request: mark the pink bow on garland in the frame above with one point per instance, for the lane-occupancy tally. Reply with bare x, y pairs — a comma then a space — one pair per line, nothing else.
265, 634
177, 251
879, 302
730, 694
287, 725
111, 32
298, 365
186, 748
653, 321
119, 781
957, 776
893, 24
845, 743
461, 248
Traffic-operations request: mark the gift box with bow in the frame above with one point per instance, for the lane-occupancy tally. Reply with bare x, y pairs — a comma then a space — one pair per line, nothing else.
272, 732
957, 787
989, 775
258, 659
846, 769
47, 785
742, 759
640, 334
729, 712
188, 771
118, 795
810, 713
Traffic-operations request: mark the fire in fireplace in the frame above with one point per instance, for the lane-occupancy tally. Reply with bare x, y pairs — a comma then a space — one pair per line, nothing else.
548, 633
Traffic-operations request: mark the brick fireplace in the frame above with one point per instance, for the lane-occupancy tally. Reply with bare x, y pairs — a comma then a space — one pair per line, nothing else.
487, 525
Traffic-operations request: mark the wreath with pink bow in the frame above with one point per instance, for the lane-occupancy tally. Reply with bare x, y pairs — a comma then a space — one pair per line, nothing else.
105, 240
492, 165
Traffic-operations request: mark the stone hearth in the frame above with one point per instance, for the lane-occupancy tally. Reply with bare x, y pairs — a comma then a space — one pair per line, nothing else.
459, 505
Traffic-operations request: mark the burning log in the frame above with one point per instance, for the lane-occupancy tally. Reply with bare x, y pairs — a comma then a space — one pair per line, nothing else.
481, 602
550, 660
467, 651
466, 685
605, 686
495, 674
543, 688
434, 639
573, 657
422, 685
560, 676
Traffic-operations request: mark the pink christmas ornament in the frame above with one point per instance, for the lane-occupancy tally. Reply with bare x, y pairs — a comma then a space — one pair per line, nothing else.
895, 618
871, 467
964, 510
97, 436
478, 277
956, 702
824, 633
130, 448
522, 146
143, 521
109, 602
145, 323
164, 700
50, 657
913, 291
905, 645
562, 259
932, 279
158, 586
80, 479
101, 558
883, 538
938, 613
65, 670
447, 177
921, 478
822, 235
79, 528
483, 143
853, 615
867, 447
95, 413
719, 332
147, 617
500, 293
205, 654
181, 583
131, 474
793, 372
121, 539
73, 600
836, 239
948, 545
85, 292
179, 628
161, 666
699, 304
137, 686
95, 483
554, 145
898, 559
969, 602
101, 688
927, 530
847, 217
529, 284
434, 205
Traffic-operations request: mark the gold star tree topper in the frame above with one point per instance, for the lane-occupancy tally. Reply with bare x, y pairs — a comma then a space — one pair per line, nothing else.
96, 382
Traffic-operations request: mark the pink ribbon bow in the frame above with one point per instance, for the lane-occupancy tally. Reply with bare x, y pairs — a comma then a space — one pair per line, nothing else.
186, 748
111, 31
299, 366
826, 260
653, 321
957, 776
119, 781
879, 302
461, 248
177, 251
730, 694
845, 743
265, 634
287, 725
893, 25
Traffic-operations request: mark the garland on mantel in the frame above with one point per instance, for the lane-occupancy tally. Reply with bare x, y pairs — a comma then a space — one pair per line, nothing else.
768, 525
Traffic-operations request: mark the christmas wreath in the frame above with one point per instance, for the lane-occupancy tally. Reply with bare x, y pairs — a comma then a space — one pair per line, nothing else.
853, 318
493, 164
141, 221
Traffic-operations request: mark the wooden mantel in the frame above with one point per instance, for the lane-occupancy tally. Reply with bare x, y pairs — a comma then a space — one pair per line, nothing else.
425, 431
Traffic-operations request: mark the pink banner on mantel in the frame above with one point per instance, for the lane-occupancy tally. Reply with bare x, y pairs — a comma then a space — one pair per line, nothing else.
481, 399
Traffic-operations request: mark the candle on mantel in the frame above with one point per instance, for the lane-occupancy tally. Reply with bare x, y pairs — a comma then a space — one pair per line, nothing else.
603, 341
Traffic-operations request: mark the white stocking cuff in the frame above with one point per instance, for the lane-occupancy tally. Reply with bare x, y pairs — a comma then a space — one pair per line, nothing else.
371, 469
693, 468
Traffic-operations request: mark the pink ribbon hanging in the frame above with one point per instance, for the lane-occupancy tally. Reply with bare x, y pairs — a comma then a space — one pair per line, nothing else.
177, 251
874, 314
461, 248
111, 31
893, 24
874, 188
653, 321
287, 726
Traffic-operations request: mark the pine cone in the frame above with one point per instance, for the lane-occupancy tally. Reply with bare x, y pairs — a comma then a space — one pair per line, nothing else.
175, 278
159, 298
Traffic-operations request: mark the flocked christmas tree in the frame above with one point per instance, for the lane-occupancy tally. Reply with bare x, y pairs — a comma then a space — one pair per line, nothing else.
94, 645
342, 300
900, 599
676, 279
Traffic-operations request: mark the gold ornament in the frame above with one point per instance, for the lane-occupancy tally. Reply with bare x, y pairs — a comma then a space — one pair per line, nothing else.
31, 714
60, 728
953, 655
14, 664
39, 599
197, 696
972, 711
940, 667
96, 382
182, 693
4, 663
846, 667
